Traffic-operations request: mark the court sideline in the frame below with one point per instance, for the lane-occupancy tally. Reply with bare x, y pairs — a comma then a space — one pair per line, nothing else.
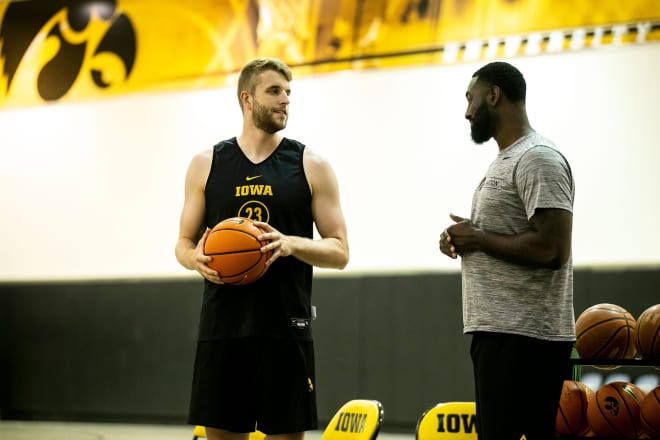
20, 430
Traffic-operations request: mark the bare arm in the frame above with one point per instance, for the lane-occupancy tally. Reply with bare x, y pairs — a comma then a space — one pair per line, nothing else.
546, 245
188, 249
331, 250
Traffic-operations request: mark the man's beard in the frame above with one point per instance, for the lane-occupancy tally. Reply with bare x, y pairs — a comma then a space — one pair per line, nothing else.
483, 125
263, 119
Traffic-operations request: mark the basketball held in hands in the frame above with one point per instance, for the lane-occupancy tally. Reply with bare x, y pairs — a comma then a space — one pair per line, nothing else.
236, 250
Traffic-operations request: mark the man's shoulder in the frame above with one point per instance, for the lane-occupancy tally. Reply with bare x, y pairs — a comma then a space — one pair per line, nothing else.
537, 147
293, 143
225, 143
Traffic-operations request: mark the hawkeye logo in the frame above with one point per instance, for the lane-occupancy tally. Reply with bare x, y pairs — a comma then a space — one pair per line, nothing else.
454, 423
351, 422
612, 405
64, 46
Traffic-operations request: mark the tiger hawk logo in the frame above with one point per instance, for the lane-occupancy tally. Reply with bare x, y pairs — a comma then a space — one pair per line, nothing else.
61, 41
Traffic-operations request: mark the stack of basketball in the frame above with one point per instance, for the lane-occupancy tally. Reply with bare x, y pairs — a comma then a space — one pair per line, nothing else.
608, 331
616, 409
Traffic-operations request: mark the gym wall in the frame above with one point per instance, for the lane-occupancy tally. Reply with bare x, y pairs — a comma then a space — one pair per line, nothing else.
98, 321
122, 351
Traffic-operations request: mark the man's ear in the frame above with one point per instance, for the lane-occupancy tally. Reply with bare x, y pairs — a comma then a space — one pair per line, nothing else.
494, 95
246, 99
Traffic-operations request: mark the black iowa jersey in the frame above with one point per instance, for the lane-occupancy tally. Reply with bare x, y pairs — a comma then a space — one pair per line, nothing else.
275, 191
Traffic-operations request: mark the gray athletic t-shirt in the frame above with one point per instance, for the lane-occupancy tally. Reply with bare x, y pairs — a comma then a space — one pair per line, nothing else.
508, 298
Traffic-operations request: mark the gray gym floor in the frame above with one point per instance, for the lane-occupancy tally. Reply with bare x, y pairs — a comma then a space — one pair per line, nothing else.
18, 430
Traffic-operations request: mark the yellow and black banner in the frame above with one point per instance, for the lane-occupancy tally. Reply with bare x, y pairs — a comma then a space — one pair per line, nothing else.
64, 50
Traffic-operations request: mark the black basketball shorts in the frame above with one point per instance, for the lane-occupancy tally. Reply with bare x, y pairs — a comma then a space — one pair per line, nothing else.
518, 382
244, 384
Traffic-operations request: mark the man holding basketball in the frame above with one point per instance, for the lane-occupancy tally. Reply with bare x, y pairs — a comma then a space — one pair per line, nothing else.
516, 264
254, 367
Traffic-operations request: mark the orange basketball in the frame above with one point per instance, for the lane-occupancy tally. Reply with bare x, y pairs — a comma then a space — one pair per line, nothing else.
648, 333
614, 410
606, 331
572, 412
649, 413
236, 250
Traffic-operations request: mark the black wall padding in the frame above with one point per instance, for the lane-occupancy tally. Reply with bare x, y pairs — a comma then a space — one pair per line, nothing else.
123, 350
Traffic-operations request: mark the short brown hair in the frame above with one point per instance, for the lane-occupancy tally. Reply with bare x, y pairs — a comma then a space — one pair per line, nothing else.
251, 74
